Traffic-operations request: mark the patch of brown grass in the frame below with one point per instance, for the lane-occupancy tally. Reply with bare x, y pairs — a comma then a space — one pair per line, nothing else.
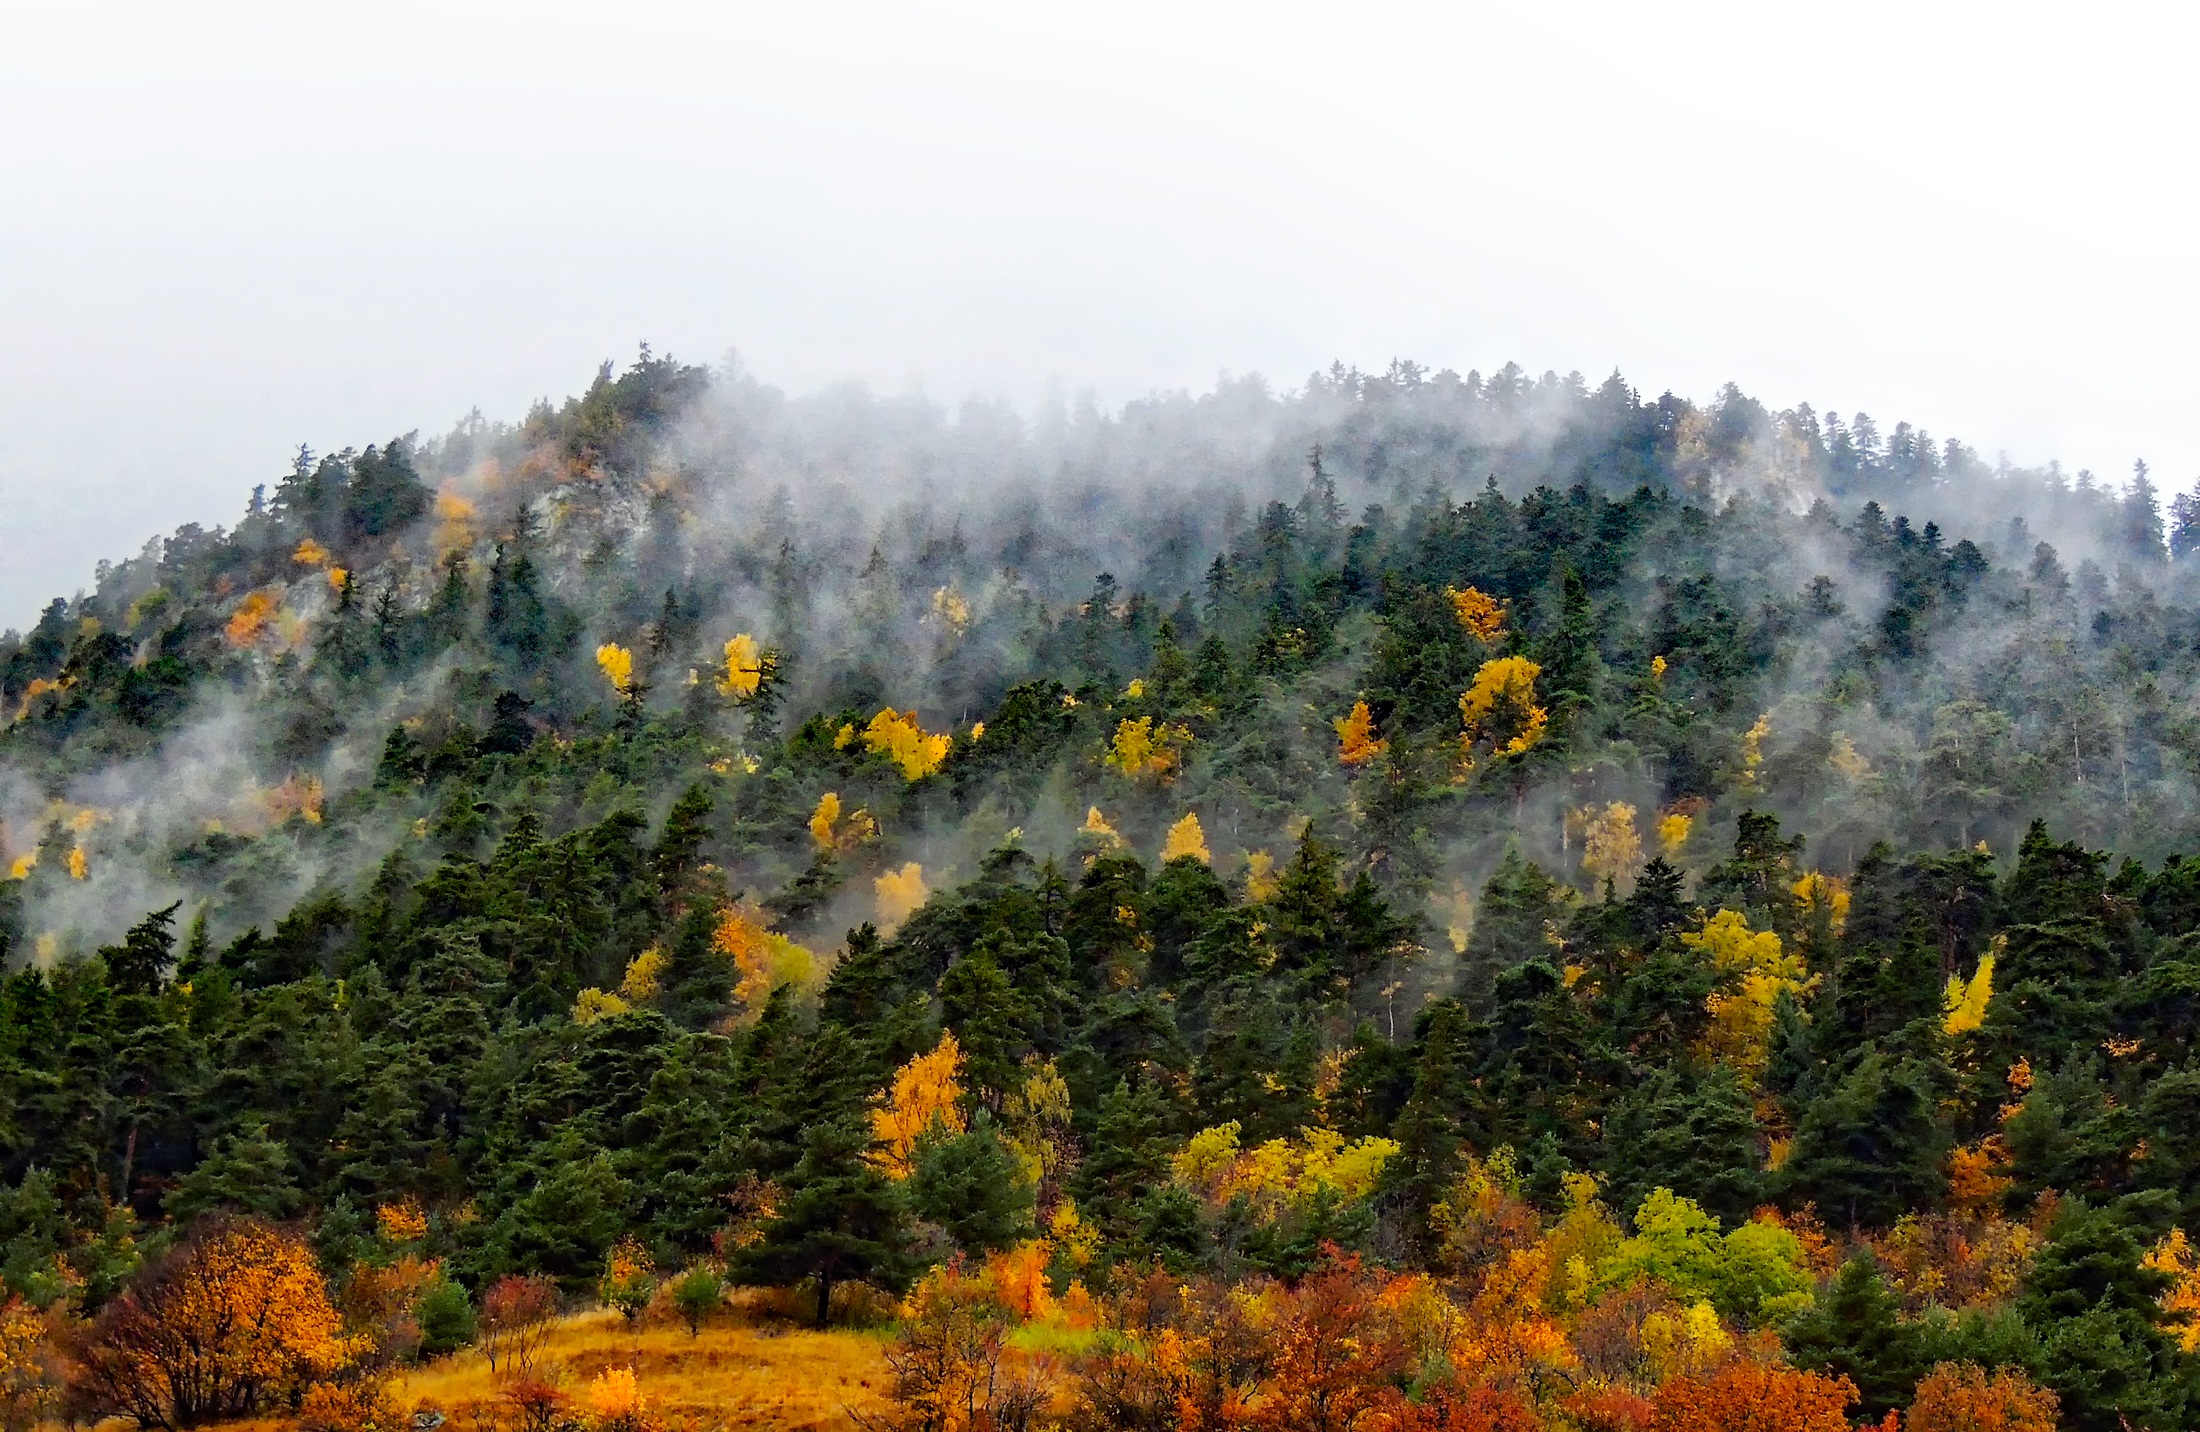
738, 1373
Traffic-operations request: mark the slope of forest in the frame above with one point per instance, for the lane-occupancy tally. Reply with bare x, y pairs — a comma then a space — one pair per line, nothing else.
1419, 902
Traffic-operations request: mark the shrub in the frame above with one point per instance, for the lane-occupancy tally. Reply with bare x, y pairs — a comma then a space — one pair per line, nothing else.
515, 1322
695, 1295
361, 1406
948, 1362
446, 1317
230, 1321
629, 1280
535, 1405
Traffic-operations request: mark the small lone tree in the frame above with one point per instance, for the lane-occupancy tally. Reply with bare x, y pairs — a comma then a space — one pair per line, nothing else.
696, 1294
515, 1322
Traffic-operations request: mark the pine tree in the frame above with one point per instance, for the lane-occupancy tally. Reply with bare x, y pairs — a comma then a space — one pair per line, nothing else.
248, 1172
840, 1219
970, 1185
1855, 1330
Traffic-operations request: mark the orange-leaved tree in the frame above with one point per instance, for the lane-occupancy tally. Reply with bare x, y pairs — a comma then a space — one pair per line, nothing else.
1446, 1408
1964, 1397
1482, 616
1745, 1396
1335, 1357
231, 1321
1357, 743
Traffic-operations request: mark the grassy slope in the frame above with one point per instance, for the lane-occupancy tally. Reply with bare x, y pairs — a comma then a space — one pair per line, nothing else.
736, 1373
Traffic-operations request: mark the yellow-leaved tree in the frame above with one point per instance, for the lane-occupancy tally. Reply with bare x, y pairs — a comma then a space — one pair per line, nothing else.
1186, 838
1610, 847
1963, 1005
1096, 826
951, 609
763, 958
1755, 970
1482, 616
900, 893
1753, 753
1673, 829
592, 1005
926, 1093
1499, 712
1143, 748
897, 736
745, 666
617, 665
1357, 743
832, 831
1280, 1172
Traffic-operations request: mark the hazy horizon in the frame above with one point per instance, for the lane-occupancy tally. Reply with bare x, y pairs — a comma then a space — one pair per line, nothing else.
230, 234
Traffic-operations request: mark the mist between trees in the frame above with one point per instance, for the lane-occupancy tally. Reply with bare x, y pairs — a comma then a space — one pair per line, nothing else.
592, 823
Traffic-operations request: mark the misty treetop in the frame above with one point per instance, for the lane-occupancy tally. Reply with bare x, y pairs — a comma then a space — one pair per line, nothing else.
819, 838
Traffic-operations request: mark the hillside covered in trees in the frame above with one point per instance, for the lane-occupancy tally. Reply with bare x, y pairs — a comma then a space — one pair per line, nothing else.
1422, 901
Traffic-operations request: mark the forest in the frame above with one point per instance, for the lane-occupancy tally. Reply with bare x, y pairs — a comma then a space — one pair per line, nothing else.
1415, 901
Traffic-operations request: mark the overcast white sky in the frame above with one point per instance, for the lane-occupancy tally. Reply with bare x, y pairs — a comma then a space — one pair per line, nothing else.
226, 230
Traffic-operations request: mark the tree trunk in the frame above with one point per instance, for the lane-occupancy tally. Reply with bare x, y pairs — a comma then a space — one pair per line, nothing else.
824, 1295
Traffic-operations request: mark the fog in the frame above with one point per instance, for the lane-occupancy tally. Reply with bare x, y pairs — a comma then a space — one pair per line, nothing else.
231, 231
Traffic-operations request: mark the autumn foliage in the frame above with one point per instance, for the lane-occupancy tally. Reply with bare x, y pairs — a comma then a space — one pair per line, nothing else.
1746, 1396
1483, 616
1186, 838
1143, 748
234, 1319
897, 736
1962, 1397
1498, 711
926, 1093
1357, 743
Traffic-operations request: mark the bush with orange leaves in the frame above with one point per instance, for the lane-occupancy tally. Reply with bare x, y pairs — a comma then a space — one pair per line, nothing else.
1745, 1396
1454, 1409
378, 1305
361, 1406
30, 1367
1335, 1359
950, 1361
1175, 1355
1963, 1397
234, 1319
613, 1402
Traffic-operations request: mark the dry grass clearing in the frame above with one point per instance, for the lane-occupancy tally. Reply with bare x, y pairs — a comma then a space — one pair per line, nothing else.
738, 1373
